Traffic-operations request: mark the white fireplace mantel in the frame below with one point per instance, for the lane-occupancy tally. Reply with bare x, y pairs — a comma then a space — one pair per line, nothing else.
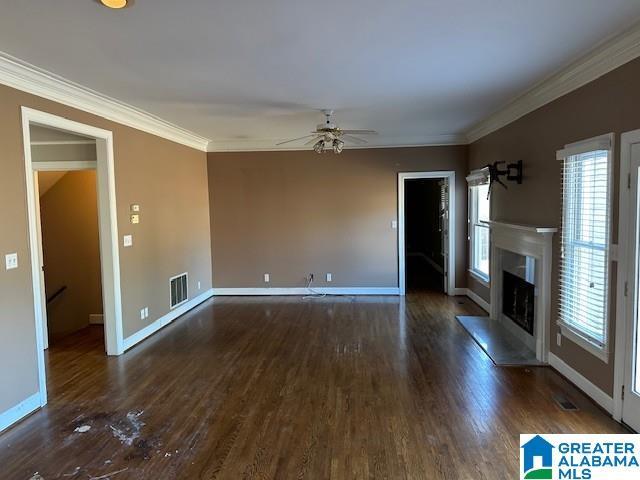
531, 241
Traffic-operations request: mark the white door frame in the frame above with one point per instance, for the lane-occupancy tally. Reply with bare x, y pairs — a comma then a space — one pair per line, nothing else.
109, 254
451, 267
626, 266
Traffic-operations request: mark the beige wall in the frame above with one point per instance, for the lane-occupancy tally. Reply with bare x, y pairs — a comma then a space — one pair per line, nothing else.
609, 104
168, 180
294, 213
71, 248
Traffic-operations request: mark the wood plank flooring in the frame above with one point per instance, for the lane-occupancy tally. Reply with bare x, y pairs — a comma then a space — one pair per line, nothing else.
285, 388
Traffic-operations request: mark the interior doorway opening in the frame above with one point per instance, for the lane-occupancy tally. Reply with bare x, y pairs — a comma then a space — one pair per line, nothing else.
56, 144
68, 208
425, 234
426, 231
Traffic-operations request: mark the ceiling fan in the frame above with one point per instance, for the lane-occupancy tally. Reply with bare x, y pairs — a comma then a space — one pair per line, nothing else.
328, 136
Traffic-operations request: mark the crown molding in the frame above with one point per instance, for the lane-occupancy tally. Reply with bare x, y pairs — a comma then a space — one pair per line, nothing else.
607, 56
28, 78
269, 145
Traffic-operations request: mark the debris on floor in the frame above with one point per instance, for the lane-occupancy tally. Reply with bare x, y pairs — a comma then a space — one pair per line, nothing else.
83, 429
128, 431
109, 475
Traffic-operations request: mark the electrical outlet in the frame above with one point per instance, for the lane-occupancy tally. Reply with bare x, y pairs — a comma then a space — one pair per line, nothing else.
146, 312
11, 261
127, 240
394, 224
267, 278
329, 277
559, 339
142, 314
198, 285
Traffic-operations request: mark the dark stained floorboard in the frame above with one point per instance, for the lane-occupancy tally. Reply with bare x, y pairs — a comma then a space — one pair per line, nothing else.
285, 388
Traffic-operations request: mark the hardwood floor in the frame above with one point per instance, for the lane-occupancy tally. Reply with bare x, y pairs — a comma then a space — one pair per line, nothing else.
282, 388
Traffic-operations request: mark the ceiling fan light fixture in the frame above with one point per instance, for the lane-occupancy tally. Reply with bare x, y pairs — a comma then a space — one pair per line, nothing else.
115, 4
338, 145
319, 146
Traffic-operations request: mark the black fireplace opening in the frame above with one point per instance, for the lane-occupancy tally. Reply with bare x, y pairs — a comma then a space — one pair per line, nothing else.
518, 300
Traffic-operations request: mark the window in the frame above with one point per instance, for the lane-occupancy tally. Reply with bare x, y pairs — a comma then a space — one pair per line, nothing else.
584, 256
478, 224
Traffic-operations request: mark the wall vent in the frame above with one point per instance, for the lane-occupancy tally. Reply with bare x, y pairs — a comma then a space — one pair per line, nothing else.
178, 289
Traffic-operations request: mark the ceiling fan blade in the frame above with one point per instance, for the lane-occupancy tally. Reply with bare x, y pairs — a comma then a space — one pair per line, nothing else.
294, 139
314, 139
360, 132
350, 138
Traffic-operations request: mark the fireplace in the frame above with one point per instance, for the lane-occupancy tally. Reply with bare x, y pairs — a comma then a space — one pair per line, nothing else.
518, 297
521, 283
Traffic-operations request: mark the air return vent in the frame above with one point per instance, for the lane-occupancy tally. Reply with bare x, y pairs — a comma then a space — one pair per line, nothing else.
178, 289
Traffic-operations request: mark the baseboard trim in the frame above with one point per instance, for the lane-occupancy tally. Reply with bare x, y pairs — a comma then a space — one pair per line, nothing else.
306, 291
589, 389
96, 319
482, 303
21, 410
459, 292
165, 320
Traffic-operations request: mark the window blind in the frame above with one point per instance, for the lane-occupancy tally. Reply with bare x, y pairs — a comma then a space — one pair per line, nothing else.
584, 261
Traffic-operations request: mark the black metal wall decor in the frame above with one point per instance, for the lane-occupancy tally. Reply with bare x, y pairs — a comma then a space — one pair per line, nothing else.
512, 172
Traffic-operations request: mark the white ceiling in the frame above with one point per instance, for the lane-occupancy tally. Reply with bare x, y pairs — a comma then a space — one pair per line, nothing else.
249, 73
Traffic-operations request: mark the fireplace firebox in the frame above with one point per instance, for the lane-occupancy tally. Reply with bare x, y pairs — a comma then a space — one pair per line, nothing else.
518, 299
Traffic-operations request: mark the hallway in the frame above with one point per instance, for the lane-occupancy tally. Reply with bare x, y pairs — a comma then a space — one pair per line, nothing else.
281, 388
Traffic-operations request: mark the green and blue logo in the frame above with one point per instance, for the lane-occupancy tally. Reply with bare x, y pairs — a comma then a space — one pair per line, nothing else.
537, 459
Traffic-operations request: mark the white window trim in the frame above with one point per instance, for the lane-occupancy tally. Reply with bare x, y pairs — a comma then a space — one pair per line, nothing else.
473, 178
602, 142
486, 282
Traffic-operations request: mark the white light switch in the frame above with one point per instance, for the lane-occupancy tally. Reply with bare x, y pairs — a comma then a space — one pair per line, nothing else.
394, 224
127, 240
267, 278
329, 277
11, 261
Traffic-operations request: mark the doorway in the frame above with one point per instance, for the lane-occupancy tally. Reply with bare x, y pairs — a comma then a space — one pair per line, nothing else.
68, 220
68, 136
627, 352
426, 233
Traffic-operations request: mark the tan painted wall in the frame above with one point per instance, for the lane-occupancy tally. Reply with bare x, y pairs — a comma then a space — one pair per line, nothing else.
71, 248
294, 213
168, 180
609, 104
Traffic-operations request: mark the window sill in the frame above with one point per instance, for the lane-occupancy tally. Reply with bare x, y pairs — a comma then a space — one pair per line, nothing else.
581, 341
480, 278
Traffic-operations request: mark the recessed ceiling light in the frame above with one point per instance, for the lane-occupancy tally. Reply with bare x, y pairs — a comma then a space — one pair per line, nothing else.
115, 3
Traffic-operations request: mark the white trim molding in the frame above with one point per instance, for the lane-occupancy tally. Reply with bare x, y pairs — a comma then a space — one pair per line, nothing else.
450, 176
306, 291
607, 56
21, 410
28, 78
588, 388
481, 302
165, 320
58, 166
